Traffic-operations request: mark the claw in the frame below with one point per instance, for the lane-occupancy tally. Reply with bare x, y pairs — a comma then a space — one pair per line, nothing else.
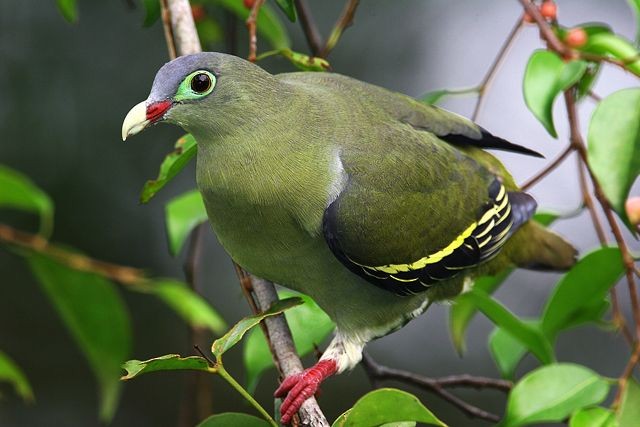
299, 387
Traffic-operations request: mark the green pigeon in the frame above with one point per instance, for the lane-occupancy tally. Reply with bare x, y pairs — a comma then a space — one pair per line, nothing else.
370, 202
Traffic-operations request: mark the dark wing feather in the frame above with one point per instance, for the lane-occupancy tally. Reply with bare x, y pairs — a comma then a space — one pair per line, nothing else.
503, 213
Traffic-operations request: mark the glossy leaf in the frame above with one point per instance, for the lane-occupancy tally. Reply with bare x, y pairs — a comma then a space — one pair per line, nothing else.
182, 214
237, 331
269, 26
309, 326
614, 145
151, 12
68, 9
18, 192
168, 362
387, 405
306, 62
635, 5
546, 76
189, 305
233, 419
288, 8
96, 316
552, 393
628, 412
532, 338
172, 164
506, 351
608, 44
593, 417
463, 309
12, 374
583, 287
588, 80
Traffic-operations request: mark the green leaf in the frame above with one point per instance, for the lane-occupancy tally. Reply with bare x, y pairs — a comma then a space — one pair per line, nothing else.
433, 97
306, 62
545, 77
593, 417
387, 405
12, 374
628, 412
552, 393
237, 331
464, 309
96, 316
188, 304
614, 145
269, 25
532, 338
233, 419
635, 5
151, 12
18, 192
309, 327
288, 8
506, 351
168, 362
581, 290
608, 44
68, 9
588, 80
172, 164
545, 218
182, 214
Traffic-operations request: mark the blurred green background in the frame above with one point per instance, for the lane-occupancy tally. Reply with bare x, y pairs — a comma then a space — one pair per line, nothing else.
64, 90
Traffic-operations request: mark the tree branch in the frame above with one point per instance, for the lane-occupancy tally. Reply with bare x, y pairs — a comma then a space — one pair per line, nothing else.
183, 29
252, 26
548, 169
260, 293
311, 32
377, 373
345, 20
502, 53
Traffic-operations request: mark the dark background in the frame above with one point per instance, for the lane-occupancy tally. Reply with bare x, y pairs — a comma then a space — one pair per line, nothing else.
64, 90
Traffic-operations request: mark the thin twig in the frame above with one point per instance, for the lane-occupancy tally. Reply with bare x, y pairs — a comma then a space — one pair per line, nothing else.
377, 372
618, 319
252, 26
502, 53
345, 20
309, 27
623, 381
548, 169
36, 243
168, 31
545, 30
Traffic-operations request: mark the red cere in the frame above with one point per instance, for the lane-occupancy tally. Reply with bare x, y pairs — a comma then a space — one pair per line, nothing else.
298, 388
156, 110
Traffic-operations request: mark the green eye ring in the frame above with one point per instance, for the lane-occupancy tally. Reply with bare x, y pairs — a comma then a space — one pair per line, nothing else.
196, 85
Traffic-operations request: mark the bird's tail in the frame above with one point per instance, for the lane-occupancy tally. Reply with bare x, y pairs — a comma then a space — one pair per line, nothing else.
538, 248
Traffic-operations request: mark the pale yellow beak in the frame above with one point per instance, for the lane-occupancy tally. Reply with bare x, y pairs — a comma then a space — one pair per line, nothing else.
135, 121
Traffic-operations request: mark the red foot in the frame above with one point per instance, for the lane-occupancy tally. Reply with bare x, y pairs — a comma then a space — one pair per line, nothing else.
302, 386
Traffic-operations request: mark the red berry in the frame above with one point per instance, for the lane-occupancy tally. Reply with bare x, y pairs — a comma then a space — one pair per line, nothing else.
248, 3
576, 37
549, 10
199, 13
632, 206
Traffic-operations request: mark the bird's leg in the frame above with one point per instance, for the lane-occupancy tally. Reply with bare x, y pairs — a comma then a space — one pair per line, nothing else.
343, 353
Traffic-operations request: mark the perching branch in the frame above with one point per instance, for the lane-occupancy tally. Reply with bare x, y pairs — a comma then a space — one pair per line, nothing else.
377, 373
260, 293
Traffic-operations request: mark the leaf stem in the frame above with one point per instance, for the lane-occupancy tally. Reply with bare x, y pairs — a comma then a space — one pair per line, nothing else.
228, 378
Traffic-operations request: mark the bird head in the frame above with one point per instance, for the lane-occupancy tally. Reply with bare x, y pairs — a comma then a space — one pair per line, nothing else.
199, 91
